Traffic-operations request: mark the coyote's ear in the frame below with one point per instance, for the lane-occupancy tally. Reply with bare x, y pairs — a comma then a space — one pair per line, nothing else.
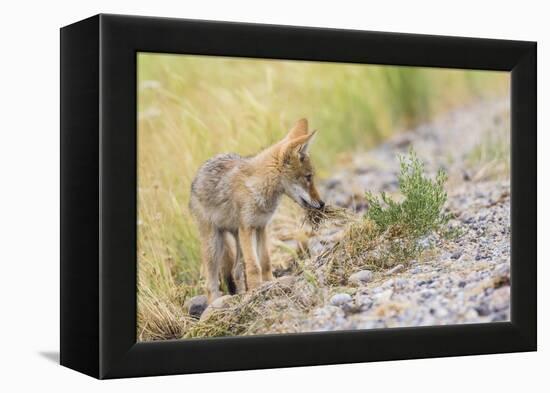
303, 148
299, 145
299, 129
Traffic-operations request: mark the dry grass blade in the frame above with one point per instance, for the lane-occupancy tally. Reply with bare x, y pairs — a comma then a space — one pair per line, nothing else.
161, 319
316, 217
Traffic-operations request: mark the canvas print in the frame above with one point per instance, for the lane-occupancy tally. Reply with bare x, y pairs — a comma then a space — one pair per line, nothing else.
282, 196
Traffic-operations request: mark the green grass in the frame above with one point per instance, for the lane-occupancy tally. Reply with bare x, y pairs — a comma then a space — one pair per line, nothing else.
193, 107
421, 209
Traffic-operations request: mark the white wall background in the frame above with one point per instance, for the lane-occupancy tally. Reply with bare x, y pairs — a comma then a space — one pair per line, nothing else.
29, 197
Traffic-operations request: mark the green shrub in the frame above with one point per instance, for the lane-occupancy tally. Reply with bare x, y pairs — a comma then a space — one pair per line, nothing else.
421, 210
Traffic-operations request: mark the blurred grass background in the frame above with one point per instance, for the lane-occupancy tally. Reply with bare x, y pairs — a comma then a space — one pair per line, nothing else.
193, 107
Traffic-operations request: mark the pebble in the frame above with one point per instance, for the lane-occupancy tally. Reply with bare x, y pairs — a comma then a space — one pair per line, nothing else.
384, 295
471, 314
361, 277
340, 299
395, 269
218, 304
456, 254
416, 270
401, 283
483, 310
197, 305
441, 312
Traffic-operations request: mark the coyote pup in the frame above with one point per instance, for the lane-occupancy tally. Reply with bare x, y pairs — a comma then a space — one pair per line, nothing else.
234, 195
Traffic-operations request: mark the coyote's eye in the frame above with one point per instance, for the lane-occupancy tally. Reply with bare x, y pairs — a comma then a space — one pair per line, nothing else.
308, 178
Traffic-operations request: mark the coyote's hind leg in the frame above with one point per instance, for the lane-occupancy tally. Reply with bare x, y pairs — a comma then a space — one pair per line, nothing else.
228, 263
212, 248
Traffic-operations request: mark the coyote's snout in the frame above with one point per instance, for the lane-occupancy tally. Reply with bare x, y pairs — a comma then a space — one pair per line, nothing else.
237, 196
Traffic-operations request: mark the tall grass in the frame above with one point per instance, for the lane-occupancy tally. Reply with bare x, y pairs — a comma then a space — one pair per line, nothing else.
490, 158
193, 107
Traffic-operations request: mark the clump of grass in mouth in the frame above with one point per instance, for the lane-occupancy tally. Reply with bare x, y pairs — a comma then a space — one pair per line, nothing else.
316, 217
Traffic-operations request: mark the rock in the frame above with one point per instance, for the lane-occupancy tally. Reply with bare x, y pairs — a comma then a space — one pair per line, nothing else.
218, 304
471, 314
401, 283
221, 302
361, 277
340, 299
482, 310
395, 269
384, 295
456, 254
197, 305
441, 312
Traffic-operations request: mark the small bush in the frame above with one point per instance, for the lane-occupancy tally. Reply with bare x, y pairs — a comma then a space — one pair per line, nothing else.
421, 210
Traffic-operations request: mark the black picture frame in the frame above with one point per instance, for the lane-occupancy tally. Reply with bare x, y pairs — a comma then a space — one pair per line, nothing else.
98, 195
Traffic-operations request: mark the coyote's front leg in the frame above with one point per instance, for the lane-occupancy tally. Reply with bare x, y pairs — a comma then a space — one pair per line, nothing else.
263, 254
253, 271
